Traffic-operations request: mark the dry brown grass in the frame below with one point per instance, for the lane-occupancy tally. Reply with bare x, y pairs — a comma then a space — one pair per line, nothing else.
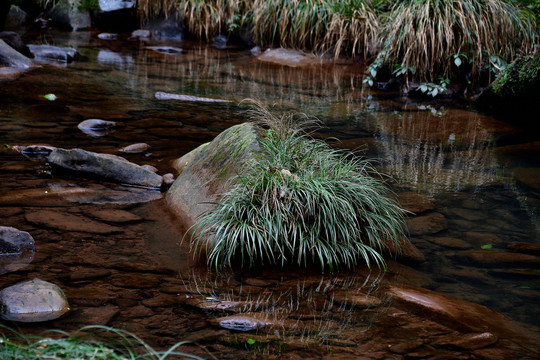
427, 36
329, 26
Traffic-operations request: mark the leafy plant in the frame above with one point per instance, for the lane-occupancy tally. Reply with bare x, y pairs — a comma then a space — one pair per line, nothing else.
434, 89
90, 342
89, 5
301, 201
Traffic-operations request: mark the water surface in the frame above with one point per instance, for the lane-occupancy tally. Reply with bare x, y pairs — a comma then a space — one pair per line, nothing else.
479, 173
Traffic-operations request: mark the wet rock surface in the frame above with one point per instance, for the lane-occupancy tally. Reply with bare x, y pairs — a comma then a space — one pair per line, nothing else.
12, 58
135, 148
69, 222
242, 323
53, 53
427, 224
17, 249
197, 186
105, 166
168, 96
14, 40
415, 202
96, 127
288, 57
33, 301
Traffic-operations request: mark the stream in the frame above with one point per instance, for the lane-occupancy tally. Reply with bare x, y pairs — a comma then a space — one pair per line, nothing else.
116, 251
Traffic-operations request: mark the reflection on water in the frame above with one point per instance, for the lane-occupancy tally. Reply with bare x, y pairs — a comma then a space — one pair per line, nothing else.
309, 309
445, 150
482, 175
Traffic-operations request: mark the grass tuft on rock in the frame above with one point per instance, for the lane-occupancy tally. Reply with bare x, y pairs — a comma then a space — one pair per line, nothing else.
301, 202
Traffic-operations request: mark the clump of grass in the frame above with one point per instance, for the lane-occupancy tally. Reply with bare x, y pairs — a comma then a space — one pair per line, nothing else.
206, 18
90, 342
148, 9
301, 202
348, 26
426, 39
329, 26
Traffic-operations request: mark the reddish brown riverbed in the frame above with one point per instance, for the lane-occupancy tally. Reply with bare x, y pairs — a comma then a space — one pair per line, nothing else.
116, 251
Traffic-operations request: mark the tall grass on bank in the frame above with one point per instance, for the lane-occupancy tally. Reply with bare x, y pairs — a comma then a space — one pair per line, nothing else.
338, 27
90, 342
301, 202
331, 26
425, 39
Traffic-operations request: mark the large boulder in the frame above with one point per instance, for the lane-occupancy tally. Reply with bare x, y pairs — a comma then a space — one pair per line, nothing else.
70, 13
206, 171
515, 92
33, 301
14, 40
105, 166
170, 28
113, 5
12, 58
15, 17
17, 249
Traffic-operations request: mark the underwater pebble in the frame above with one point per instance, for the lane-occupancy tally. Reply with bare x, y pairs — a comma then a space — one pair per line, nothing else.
135, 148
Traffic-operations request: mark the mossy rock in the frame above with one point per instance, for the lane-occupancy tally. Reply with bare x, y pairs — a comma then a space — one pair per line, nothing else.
515, 92
206, 172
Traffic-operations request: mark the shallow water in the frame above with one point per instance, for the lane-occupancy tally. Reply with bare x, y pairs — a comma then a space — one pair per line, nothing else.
480, 174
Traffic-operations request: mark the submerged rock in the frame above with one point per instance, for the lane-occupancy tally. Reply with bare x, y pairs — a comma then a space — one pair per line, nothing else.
69, 222
427, 224
495, 258
166, 49
207, 174
115, 216
242, 323
141, 33
105, 166
94, 194
96, 127
53, 53
526, 248
33, 301
463, 316
168, 96
135, 148
415, 202
108, 36
471, 341
9, 73
288, 57
17, 249
38, 151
